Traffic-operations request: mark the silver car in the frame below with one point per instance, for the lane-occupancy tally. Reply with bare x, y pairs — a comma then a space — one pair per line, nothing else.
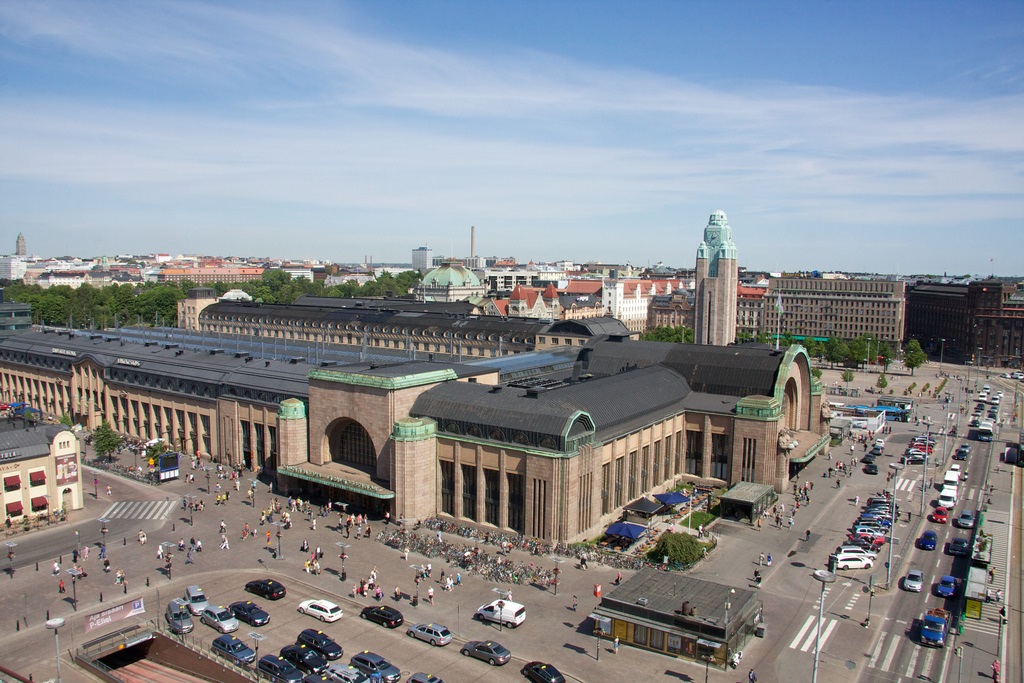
220, 618
913, 581
435, 634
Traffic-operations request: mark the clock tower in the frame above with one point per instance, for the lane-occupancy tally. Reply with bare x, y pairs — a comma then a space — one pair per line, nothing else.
716, 284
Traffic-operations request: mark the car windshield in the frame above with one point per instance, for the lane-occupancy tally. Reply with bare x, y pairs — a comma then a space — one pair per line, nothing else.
224, 615
236, 647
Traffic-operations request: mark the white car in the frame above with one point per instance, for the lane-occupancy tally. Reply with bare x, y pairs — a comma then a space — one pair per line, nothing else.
324, 610
855, 550
847, 561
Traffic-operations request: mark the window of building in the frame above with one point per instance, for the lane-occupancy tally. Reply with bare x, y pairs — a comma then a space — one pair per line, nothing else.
620, 471
645, 463
640, 634
516, 502
606, 495
632, 475
469, 491
447, 487
695, 453
657, 639
720, 456
491, 496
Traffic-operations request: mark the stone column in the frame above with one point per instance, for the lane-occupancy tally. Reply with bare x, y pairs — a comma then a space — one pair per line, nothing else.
706, 447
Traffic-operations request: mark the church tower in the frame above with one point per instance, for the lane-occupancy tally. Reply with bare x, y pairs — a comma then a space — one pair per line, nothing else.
20, 249
716, 280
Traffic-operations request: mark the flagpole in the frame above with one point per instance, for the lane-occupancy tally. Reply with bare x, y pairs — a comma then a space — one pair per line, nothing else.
778, 321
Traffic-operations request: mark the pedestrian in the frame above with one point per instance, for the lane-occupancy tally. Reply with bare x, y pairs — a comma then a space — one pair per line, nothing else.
575, 603
991, 575
438, 535
760, 559
224, 542
615, 646
752, 677
856, 500
313, 525
807, 536
60, 587
268, 539
458, 578
430, 595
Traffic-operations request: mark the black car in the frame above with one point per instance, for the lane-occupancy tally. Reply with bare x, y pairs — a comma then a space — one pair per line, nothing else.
305, 658
959, 546
868, 459
539, 672
266, 588
871, 468
383, 615
278, 670
249, 612
322, 643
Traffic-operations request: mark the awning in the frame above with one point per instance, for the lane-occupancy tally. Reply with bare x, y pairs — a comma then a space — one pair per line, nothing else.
672, 498
37, 478
626, 530
12, 482
14, 509
337, 478
643, 506
39, 503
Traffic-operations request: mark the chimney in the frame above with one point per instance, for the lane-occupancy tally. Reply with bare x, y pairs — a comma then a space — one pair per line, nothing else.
472, 241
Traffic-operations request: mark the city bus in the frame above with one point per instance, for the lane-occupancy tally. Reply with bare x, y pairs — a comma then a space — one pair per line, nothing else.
986, 430
905, 403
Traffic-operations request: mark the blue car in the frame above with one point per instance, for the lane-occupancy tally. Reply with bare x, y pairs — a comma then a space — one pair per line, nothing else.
928, 540
946, 588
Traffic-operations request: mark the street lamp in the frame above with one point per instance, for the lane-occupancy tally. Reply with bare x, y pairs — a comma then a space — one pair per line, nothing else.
207, 482
257, 638
279, 525
191, 498
556, 571
501, 610
103, 529
896, 467
942, 351
10, 556
825, 577
728, 606
55, 624
75, 573
343, 555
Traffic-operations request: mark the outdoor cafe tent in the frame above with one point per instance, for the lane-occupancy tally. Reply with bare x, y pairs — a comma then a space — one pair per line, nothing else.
644, 506
672, 498
626, 530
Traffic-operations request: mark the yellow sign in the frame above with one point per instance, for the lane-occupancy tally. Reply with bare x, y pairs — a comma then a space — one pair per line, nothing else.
973, 609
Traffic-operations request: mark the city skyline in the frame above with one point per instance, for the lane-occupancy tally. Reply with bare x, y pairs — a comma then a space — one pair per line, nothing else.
873, 138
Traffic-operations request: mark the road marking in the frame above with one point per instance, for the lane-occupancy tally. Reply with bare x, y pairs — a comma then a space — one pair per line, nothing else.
926, 667
812, 636
887, 662
800, 633
139, 509
877, 653
913, 661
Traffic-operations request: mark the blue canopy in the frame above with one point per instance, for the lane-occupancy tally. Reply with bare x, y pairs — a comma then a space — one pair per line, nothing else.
672, 498
627, 530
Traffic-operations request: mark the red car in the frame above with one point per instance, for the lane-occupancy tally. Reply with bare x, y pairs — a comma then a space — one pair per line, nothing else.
869, 540
940, 516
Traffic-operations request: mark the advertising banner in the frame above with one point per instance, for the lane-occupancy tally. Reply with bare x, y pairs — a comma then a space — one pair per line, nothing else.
67, 469
115, 613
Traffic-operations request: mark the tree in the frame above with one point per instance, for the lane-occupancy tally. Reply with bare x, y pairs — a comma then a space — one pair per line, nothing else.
914, 357
105, 440
669, 334
848, 377
884, 355
816, 373
682, 549
882, 382
66, 420
857, 351
836, 351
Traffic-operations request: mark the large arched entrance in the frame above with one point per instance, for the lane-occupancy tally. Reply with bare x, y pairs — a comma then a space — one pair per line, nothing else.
350, 444
791, 405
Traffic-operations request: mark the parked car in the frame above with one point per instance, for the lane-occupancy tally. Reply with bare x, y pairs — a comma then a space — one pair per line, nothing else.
233, 649
344, 673
424, 678
855, 549
278, 669
324, 610
946, 587
321, 642
383, 615
913, 581
435, 634
493, 653
959, 547
304, 658
266, 588
541, 672
220, 618
250, 613
179, 619
913, 458
370, 663
928, 540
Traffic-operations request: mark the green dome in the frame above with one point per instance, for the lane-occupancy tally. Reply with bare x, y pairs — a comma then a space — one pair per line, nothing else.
451, 274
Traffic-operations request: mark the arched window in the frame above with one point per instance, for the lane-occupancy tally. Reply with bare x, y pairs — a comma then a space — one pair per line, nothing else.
496, 435
354, 446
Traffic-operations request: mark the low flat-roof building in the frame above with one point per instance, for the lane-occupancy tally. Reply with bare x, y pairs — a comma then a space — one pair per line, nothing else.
40, 470
680, 616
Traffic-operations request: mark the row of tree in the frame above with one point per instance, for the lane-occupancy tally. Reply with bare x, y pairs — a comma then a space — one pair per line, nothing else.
849, 353
157, 304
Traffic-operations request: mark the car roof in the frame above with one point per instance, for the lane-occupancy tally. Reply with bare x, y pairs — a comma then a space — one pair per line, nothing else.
930, 534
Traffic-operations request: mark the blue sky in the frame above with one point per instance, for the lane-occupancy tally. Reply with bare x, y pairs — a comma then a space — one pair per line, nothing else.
871, 136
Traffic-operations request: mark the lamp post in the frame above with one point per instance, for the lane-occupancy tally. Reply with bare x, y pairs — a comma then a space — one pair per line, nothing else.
56, 623
10, 556
343, 556
103, 528
78, 541
75, 573
501, 608
896, 467
942, 351
207, 482
556, 571
825, 577
257, 639
191, 498
279, 525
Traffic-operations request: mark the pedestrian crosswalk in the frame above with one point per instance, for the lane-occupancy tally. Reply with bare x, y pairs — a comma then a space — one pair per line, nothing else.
806, 636
140, 509
884, 656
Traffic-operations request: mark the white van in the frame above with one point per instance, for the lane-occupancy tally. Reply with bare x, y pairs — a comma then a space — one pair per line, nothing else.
948, 497
509, 614
951, 478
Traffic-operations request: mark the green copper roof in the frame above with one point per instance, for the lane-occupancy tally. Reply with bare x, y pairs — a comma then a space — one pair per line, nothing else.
451, 274
383, 381
291, 409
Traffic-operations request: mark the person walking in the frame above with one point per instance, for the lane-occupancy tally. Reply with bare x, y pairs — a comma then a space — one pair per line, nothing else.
615, 646
760, 559
575, 603
430, 595
60, 587
752, 677
224, 542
